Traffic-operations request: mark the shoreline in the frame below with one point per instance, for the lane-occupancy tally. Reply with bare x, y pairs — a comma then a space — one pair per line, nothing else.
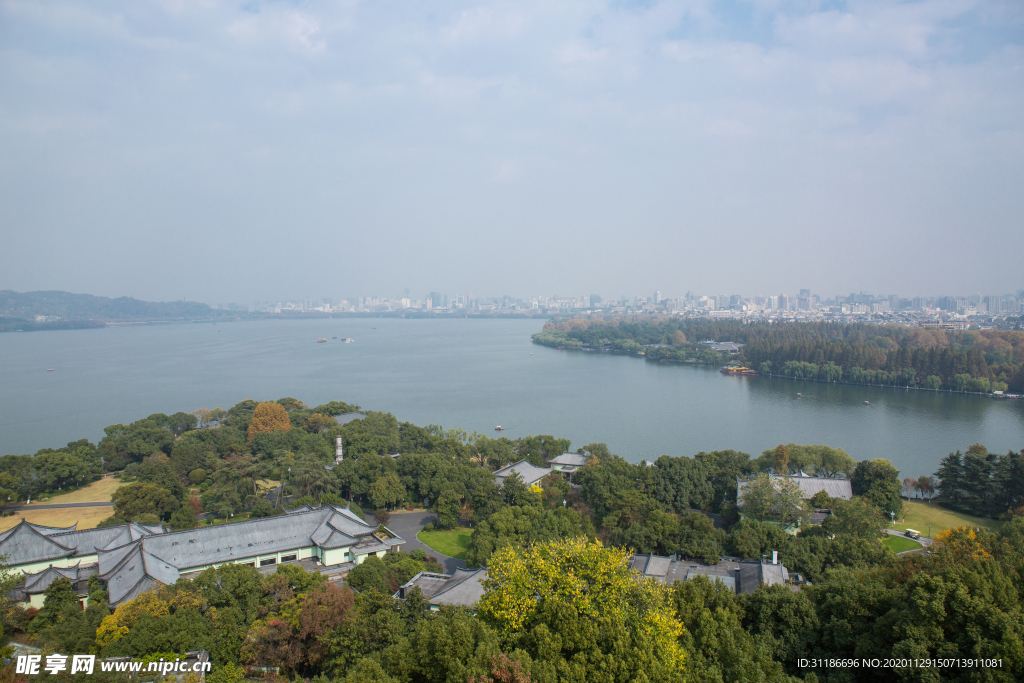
1010, 397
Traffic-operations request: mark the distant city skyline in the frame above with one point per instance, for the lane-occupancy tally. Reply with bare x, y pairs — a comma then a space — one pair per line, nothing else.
804, 302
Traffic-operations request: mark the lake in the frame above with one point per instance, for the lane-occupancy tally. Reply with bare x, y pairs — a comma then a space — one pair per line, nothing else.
473, 374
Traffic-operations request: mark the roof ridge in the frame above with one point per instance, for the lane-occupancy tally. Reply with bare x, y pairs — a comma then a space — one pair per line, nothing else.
458, 583
233, 524
121, 562
35, 531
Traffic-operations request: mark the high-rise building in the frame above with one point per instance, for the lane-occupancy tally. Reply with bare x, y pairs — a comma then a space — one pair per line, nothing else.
806, 293
595, 300
657, 297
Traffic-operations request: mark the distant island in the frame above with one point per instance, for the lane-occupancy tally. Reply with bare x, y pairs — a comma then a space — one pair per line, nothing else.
977, 361
55, 310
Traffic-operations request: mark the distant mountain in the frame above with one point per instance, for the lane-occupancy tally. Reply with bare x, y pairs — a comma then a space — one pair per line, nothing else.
17, 306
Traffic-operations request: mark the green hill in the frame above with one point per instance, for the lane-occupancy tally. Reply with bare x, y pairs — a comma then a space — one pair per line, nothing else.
19, 310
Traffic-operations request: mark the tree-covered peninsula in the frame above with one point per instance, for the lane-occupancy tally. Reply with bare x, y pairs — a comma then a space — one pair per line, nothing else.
894, 355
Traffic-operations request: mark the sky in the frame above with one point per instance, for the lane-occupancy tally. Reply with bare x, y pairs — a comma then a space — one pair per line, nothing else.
255, 150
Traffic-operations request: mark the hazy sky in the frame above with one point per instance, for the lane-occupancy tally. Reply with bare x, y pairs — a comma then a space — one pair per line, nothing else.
234, 151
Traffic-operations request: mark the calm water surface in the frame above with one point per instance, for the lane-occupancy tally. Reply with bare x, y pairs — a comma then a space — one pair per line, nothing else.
473, 374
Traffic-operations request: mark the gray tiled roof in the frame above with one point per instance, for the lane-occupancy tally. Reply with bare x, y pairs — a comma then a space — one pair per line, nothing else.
835, 488
461, 589
575, 459
530, 473
25, 544
136, 573
50, 530
655, 566
29, 543
327, 536
132, 557
302, 508
88, 541
110, 559
40, 581
741, 576
206, 545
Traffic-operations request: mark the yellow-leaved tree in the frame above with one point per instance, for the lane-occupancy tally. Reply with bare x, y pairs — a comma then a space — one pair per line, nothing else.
963, 544
269, 417
575, 606
157, 602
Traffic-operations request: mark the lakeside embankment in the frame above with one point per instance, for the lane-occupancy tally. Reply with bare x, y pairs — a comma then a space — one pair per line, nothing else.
977, 362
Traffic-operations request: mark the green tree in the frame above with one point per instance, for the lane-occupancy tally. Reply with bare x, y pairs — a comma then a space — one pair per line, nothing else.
699, 538
387, 491
753, 538
368, 575
59, 595
775, 499
857, 517
725, 467
57, 469
227, 672
9, 485
12, 615
718, 648
785, 620
447, 508
521, 526
132, 500
184, 518
878, 481
451, 646
515, 492
311, 479
683, 484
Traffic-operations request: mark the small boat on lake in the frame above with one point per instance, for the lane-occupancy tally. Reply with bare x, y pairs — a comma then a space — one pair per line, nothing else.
799, 395
867, 403
49, 369
499, 428
321, 340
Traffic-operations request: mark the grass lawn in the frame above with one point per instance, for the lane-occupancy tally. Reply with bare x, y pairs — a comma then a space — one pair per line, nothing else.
920, 515
87, 518
96, 492
266, 485
899, 544
454, 543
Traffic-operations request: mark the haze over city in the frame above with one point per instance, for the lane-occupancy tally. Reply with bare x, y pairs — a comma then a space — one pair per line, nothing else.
231, 152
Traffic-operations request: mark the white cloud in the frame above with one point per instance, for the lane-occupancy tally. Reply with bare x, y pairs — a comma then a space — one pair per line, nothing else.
600, 112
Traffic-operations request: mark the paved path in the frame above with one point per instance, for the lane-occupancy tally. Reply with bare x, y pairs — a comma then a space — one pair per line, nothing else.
57, 506
926, 542
407, 524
